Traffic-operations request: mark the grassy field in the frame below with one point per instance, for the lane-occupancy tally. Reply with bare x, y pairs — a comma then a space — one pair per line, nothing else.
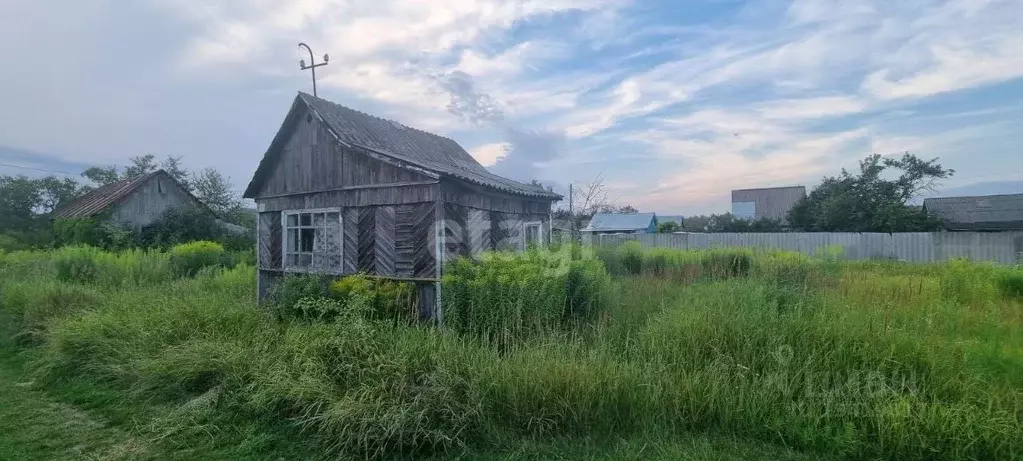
619, 354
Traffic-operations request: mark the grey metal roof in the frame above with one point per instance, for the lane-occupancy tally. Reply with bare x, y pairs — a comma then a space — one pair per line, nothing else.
416, 147
986, 212
102, 197
619, 222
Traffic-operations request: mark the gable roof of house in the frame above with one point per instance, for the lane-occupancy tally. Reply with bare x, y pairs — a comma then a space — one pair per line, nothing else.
978, 212
101, 198
606, 222
437, 154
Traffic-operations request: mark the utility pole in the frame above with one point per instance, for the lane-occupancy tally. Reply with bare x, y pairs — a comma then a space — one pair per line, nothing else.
312, 64
571, 215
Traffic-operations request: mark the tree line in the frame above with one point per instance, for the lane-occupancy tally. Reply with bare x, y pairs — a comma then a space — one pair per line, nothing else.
877, 197
27, 206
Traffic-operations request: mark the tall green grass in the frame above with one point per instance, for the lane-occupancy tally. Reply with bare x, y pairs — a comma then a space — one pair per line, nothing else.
503, 297
848, 360
85, 264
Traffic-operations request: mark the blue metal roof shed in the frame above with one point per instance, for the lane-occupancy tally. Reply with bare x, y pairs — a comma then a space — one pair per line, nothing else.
637, 223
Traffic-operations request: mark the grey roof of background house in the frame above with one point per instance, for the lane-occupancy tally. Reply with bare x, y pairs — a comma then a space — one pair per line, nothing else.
619, 221
677, 218
102, 197
990, 212
416, 147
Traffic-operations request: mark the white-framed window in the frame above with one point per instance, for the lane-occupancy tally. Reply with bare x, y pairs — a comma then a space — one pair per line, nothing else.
532, 234
312, 240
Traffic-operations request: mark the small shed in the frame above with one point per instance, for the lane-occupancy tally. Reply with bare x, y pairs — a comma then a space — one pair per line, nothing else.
622, 223
978, 213
133, 202
342, 192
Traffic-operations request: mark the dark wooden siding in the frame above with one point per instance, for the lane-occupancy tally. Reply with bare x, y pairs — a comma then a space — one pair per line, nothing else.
148, 201
350, 237
507, 228
360, 197
482, 198
312, 160
415, 240
360, 169
478, 231
456, 237
270, 235
384, 245
469, 231
367, 239
396, 241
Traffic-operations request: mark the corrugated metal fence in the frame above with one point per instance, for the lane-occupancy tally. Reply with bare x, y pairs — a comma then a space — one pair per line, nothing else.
1001, 247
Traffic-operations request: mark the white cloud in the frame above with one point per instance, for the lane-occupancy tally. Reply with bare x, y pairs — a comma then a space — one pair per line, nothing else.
738, 103
718, 169
489, 154
390, 51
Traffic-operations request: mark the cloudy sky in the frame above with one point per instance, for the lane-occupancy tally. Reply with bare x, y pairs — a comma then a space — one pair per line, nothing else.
675, 101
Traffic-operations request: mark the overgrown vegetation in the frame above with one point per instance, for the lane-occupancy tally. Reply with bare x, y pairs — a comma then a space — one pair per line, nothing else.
793, 356
27, 207
504, 297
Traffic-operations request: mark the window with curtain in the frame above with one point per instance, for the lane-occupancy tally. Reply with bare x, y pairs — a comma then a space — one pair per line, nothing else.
312, 240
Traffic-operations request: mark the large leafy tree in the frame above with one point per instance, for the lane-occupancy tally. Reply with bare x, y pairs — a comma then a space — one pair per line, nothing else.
172, 165
140, 164
27, 203
19, 200
214, 189
877, 198
101, 176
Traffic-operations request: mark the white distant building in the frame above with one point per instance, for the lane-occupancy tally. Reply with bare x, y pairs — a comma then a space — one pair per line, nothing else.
768, 202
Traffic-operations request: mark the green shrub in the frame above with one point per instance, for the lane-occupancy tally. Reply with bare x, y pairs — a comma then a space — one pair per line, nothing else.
291, 289
389, 300
236, 257
318, 309
187, 259
1010, 283
84, 264
93, 232
9, 243
77, 264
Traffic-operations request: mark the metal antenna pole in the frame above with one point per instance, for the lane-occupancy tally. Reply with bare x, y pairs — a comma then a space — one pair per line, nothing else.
312, 64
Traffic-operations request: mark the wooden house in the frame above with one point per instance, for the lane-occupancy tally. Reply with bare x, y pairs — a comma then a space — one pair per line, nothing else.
133, 202
341, 192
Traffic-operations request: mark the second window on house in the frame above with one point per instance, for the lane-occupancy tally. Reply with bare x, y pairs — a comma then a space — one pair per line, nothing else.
312, 240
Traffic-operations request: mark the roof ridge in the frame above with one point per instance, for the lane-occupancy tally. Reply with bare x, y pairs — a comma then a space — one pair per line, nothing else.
974, 196
367, 114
